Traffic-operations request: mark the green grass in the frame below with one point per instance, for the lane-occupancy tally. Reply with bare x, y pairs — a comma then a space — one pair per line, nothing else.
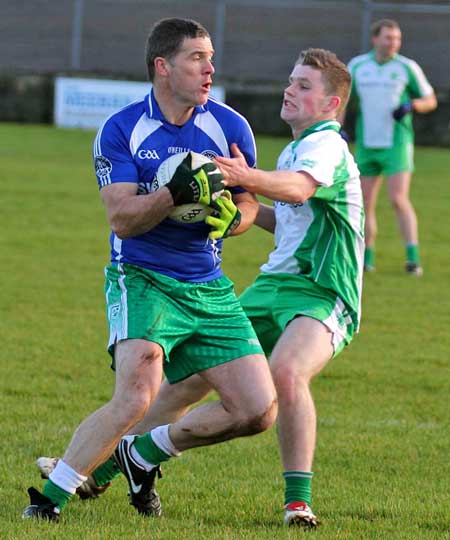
382, 461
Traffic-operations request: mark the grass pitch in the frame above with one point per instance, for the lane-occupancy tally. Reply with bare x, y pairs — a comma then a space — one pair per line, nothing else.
381, 469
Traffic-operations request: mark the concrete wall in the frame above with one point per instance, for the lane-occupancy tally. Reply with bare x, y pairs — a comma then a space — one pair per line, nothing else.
257, 42
261, 39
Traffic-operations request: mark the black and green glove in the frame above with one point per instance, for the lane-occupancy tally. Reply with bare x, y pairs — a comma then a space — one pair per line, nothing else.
224, 221
202, 185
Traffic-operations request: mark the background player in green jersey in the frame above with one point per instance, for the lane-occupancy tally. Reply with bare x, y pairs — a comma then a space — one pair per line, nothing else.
305, 304
388, 87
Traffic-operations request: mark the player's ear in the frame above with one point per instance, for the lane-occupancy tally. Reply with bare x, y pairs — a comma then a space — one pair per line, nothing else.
161, 66
332, 104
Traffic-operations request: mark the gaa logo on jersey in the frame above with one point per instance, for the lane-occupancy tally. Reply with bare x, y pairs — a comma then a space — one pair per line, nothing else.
102, 166
148, 154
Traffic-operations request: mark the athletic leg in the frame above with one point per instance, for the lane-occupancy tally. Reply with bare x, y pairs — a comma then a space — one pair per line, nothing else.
138, 377
172, 402
398, 186
247, 404
302, 352
370, 188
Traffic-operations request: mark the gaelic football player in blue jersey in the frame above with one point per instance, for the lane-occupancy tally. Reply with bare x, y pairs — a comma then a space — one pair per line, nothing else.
170, 308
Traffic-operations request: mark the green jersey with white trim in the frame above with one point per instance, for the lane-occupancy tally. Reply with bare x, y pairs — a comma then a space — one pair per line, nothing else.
379, 90
322, 239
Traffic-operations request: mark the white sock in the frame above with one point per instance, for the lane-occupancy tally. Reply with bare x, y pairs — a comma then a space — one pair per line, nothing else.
66, 478
161, 438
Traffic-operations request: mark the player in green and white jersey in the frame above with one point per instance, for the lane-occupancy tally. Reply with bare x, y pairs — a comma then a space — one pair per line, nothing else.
305, 303
388, 87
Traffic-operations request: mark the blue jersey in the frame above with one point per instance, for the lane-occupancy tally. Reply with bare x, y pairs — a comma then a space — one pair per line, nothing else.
131, 145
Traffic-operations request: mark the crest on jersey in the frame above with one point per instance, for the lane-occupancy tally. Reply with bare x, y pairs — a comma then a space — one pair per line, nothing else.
308, 163
102, 166
209, 154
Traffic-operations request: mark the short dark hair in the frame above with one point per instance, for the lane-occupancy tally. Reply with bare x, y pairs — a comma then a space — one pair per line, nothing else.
335, 75
377, 26
166, 38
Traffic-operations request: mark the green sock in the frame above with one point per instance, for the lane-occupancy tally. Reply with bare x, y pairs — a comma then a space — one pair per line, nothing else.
298, 486
106, 472
369, 256
56, 494
147, 449
412, 253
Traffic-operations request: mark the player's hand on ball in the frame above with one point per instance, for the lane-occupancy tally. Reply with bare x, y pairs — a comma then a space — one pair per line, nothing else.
401, 111
202, 185
224, 221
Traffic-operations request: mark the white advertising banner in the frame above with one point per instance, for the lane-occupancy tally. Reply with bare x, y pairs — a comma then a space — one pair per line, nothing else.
86, 103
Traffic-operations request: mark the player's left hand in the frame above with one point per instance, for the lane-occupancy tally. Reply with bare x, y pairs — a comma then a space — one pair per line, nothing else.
224, 221
401, 111
234, 169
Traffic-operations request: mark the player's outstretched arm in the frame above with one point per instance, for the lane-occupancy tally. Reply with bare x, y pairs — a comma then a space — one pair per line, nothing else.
282, 185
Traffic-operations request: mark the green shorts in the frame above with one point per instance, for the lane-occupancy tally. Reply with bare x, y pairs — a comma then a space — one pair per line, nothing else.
198, 325
273, 300
387, 161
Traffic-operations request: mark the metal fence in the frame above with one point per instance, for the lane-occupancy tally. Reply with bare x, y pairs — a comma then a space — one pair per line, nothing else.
255, 40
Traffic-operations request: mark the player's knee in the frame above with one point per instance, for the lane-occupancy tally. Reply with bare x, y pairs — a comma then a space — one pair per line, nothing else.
289, 381
395, 203
269, 416
130, 409
131, 401
261, 419
399, 202
137, 383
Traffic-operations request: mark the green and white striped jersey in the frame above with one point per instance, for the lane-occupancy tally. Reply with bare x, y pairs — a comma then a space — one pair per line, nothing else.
322, 239
380, 89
